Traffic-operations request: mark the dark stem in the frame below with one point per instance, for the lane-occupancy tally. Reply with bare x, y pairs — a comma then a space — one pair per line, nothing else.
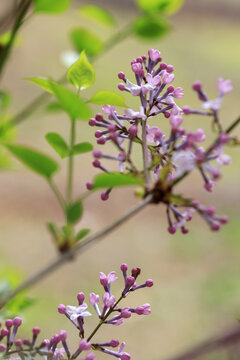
230, 338
23, 8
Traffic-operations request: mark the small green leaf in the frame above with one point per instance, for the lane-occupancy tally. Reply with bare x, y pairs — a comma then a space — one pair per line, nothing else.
83, 39
71, 103
74, 212
38, 162
163, 6
58, 144
81, 73
81, 234
42, 82
53, 229
176, 199
149, 27
116, 179
51, 6
108, 98
82, 148
100, 15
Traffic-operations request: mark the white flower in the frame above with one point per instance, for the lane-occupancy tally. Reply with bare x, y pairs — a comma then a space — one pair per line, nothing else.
184, 162
134, 89
77, 311
135, 114
212, 104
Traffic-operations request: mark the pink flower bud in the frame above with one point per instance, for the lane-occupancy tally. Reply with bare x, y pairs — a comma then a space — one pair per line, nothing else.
149, 283
184, 230
125, 313
90, 356
92, 122
99, 117
197, 86
135, 272
121, 75
170, 89
121, 87
3, 348
18, 342
186, 110
96, 163
9, 323
17, 321
215, 225
36, 330
80, 298
122, 156
101, 140
26, 341
130, 280
170, 68
61, 309
62, 335
4, 332
133, 130
114, 343
89, 185
84, 345
172, 229
104, 196
223, 219
98, 134
125, 356
124, 267
154, 55
163, 66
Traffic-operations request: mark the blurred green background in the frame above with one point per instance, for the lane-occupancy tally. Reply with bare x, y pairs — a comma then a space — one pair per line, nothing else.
197, 276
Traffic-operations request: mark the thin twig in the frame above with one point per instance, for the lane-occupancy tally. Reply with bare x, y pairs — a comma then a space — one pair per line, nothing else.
230, 338
72, 253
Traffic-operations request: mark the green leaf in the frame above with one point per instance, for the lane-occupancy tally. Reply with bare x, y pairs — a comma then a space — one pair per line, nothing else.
177, 199
81, 73
83, 39
74, 212
42, 82
38, 162
100, 15
71, 103
82, 148
82, 233
164, 6
51, 6
149, 27
58, 144
53, 107
116, 179
108, 98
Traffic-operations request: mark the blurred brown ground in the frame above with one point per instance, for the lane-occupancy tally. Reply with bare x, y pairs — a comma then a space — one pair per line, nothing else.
197, 276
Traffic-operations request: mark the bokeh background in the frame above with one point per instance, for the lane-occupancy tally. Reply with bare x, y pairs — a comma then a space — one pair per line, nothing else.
197, 276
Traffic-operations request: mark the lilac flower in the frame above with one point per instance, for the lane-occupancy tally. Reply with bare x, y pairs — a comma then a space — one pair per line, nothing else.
77, 311
167, 157
107, 279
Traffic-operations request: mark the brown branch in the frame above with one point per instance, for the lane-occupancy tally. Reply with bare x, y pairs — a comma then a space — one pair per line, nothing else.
72, 253
225, 340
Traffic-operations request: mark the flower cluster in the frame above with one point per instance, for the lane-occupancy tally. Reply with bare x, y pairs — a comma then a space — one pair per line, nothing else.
167, 159
110, 312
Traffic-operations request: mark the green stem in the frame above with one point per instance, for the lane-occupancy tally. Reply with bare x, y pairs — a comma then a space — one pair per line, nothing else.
57, 193
70, 162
